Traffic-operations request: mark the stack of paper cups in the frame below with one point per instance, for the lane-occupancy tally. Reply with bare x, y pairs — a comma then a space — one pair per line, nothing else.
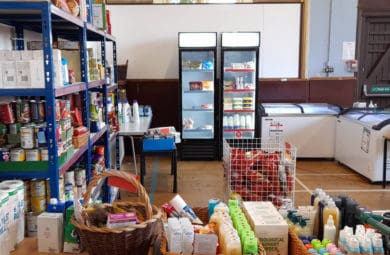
15, 190
4, 220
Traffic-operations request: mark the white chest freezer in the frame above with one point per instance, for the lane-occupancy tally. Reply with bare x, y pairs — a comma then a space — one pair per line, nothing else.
359, 141
311, 127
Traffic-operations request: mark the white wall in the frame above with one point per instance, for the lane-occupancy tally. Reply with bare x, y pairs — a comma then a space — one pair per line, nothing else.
147, 35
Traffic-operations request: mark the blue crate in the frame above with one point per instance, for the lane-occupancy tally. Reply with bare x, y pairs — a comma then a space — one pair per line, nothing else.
158, 144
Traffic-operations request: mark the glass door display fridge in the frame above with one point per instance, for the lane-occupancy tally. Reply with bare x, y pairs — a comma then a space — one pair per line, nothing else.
199, 100
239, 75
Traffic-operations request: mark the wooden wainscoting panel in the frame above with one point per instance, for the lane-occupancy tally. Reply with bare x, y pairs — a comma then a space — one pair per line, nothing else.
289, 91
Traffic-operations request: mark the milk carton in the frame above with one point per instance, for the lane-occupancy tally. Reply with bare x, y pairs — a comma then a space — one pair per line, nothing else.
269, 226
174, 235
50, 232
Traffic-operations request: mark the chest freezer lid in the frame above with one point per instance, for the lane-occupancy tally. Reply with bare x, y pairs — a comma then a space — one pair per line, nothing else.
376, 118
279, 109
320, 108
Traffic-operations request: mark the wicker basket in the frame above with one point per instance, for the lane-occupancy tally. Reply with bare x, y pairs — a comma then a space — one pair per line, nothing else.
295, 245
202, 213
134, 240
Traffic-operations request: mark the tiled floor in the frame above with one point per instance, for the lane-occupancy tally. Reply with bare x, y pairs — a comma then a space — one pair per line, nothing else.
198, 181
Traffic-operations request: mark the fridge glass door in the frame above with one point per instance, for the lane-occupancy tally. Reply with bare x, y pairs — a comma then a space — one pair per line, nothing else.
197, 81
239, 93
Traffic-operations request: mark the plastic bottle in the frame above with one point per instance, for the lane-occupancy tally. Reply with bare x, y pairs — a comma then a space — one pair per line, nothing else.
65, 71
377, 245
331, 209
321, 194
135, 107
330, 229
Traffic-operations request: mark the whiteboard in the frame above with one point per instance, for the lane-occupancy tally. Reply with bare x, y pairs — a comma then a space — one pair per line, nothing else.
147, 35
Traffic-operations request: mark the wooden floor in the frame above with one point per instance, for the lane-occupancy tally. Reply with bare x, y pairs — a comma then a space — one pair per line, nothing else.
198, 181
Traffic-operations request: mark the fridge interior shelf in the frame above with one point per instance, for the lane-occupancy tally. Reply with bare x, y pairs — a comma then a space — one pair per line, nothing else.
243, 70
239, 129
199, 70
238, 111
198, 91
198, 110
238, 90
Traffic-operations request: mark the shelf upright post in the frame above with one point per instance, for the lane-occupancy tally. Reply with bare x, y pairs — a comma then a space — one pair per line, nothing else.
85, 98
19, 35
106, 136
115, 62
50, 99
105, 94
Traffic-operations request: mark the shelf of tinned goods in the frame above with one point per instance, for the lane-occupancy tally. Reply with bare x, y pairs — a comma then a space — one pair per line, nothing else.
30, 16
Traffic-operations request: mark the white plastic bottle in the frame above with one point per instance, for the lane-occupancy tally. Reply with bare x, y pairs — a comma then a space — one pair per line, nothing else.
330, 229
135, 111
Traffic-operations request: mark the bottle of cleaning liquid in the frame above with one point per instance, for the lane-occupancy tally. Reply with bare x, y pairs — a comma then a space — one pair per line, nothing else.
317, 199
331, 209
135, 111
330, 229
377, 245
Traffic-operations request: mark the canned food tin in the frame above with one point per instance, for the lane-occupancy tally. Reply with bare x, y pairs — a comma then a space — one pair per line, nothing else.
14, 128
6, 114
4, 155
68, 188
3, 129
22, 109
17, 154
44, 154
37, 188
38, 204
37, 110
27, 137
33, 155
32, 224
61, 188
69, 177
80, 177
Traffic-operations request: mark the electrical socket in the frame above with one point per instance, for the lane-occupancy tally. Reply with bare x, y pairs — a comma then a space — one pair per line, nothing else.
329, 69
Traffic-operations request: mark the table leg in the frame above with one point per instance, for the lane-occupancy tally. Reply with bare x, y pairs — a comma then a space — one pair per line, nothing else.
384, 163
142, 167
134, 157
174, 167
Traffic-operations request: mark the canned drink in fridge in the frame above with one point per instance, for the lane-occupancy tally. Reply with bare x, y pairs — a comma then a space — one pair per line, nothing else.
4, 155
38, 204
44, 154
6, 114
14, 128
33, 155
27, 137
17, 154
38, 188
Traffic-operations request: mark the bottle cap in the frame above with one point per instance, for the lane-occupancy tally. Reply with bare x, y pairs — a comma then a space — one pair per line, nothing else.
53, 201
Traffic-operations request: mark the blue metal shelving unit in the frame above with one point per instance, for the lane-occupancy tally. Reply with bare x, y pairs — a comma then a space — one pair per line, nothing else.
51, 22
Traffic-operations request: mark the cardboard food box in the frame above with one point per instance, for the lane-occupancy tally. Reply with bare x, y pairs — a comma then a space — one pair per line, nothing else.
269, 226
50, 232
